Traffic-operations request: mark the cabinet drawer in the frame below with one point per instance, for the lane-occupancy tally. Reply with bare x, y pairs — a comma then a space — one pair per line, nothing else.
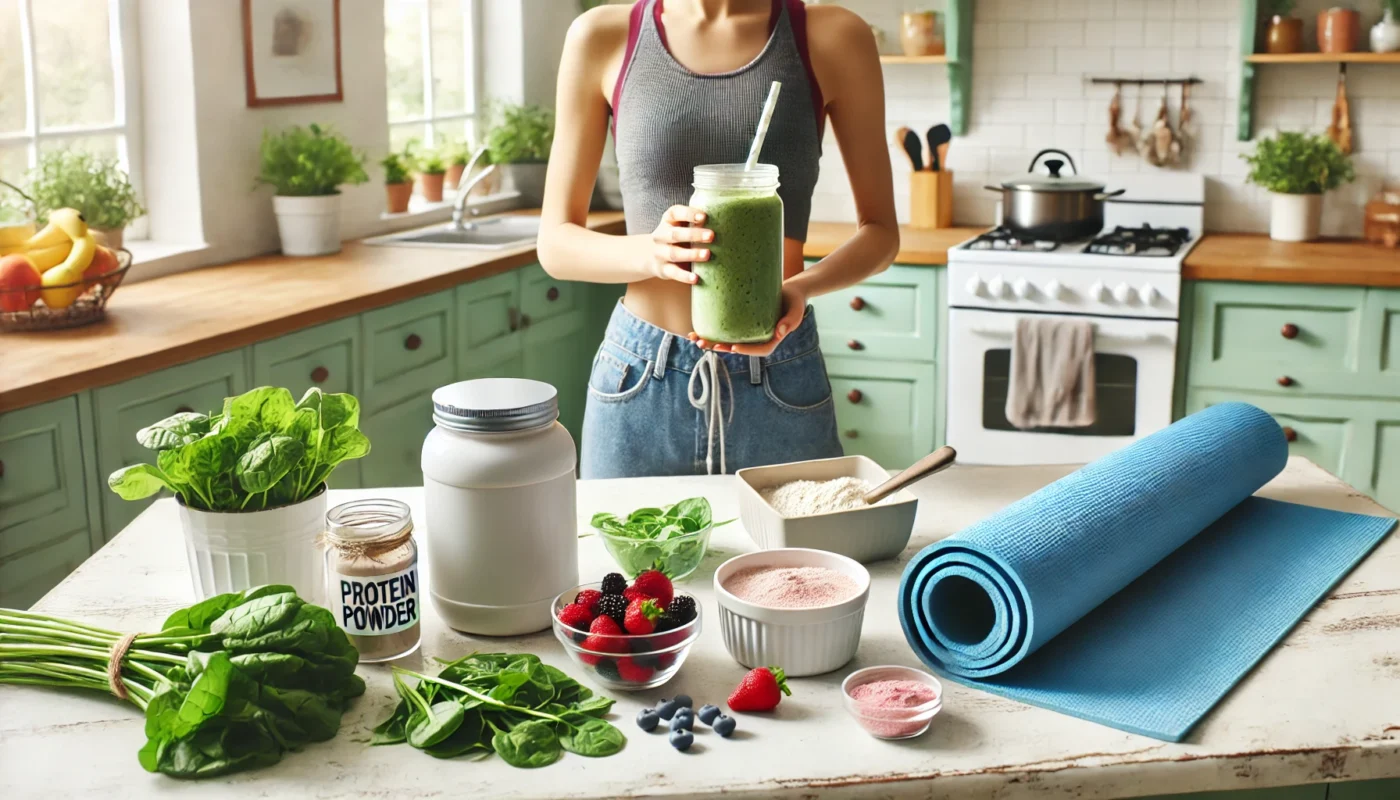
488, 318
1280, 339
324, 357
28, 575
1321, 431
125, 408
396, 434
1383, 338
884, 410
893, 315
543, 297
409, 349
1385, 470
41, 475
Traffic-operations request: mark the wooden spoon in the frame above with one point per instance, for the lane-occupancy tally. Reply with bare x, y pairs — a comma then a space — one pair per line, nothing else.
934, 462
908, 141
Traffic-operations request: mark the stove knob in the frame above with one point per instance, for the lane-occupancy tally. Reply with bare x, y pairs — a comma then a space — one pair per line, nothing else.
975, 286
1124, 293
997, 287
1054, 290
1149, 294
1099, 292
1022, 288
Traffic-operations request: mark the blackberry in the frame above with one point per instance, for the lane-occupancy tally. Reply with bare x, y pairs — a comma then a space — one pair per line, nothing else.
607, 668
613, 605
680, 612
614, 583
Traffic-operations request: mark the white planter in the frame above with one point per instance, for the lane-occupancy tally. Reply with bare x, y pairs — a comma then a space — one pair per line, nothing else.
1385, 35
113, 238
1295, 217
232, 551
527, 179
309, 226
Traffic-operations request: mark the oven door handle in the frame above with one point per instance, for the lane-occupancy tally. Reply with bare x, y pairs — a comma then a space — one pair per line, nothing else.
1139, 338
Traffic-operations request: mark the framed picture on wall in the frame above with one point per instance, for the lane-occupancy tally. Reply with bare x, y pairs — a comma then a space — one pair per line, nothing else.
291, 52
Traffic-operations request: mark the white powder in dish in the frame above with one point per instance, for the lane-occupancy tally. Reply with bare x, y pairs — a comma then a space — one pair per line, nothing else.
808, 498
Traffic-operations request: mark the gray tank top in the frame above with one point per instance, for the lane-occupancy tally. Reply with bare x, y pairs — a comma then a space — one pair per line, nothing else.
667, 119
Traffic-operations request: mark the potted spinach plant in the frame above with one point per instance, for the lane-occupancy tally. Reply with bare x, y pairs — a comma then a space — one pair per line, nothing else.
94, 185
519, 142
398, 183
250, 480
432, 171
1297, 168
307, 166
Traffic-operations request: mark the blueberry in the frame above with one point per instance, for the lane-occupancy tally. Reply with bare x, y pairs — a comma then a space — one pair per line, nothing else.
684, 700
667, 709
648, 719
724, 726
683, 721
682, 739
708, 714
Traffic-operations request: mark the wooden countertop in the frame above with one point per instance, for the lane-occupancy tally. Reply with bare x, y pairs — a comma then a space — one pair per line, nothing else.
917, 246
190, 315
1257, 258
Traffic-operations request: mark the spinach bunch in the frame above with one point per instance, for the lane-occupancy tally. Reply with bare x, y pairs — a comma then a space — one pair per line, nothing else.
525, 711
663, 538
261, 451
230, 683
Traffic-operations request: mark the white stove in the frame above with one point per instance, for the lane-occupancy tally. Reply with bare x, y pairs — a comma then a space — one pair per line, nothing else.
1126, 281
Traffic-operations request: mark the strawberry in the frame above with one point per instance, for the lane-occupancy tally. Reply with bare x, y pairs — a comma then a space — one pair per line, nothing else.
588, 598
655, 585
632, 672
760, 690
641, 617
602, 638
576, 616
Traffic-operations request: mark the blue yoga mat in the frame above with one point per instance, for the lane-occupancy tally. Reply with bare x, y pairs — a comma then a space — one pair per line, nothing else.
1139, 590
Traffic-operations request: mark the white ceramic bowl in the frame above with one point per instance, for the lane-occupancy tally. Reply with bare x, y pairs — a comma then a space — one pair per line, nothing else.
866, 534
803, 641
892, 723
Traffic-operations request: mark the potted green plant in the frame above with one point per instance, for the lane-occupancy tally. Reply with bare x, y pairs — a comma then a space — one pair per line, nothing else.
432, 171
307, 166
94, 185
250, 480
1297, 168
1285, 33
456, 156
398, 182
519, 142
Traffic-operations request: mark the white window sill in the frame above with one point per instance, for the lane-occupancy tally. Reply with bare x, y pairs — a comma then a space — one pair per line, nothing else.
153, 259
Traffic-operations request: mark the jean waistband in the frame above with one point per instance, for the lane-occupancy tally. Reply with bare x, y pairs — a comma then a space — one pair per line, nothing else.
645, 340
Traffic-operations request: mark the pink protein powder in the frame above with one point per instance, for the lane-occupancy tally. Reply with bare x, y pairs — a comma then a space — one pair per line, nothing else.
791, 587
887, 707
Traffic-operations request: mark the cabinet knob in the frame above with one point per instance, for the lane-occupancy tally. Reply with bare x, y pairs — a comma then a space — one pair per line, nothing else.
1284, 380
854, 396
857, 303
1290, 434
1290, 331
413, 342
184, 410
2, 469
320, 374
852, 433
524, 320
855, 345
552, 294
513, 319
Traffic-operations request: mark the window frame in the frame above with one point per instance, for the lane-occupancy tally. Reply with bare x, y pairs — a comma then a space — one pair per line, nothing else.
471, 85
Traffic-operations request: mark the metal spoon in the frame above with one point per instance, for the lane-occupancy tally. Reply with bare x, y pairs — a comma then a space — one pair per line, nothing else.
934, 462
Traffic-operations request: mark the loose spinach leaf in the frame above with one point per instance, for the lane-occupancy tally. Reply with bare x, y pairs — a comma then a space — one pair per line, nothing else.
593, 737
434, 725
394, 729
466, 738
528, 745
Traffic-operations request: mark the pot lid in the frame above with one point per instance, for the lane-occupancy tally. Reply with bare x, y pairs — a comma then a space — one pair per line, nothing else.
1055, 180
491, 405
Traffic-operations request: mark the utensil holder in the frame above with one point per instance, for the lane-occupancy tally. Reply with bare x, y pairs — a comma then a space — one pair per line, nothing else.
931, 199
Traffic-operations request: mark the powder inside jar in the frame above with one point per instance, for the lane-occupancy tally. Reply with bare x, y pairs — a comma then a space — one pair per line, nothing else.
372, 577
892, 709
791, 587
809, 498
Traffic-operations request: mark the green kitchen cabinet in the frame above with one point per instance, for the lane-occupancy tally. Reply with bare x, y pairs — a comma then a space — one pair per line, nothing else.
124, 408
396, 438
557, 353
488, 321
1317, 791
891, 316
1385, 463
1381, 346
1324, 431
884, 410
1384, 789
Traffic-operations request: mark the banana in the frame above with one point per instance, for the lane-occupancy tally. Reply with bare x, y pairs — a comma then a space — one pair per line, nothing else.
70, 221
49, 257
69, 272
50, 235
13, 235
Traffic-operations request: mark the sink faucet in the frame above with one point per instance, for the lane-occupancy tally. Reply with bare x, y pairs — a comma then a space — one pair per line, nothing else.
464, 191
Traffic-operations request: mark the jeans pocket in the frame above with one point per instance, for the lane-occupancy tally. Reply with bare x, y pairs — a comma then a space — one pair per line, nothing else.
617, 375
798, 384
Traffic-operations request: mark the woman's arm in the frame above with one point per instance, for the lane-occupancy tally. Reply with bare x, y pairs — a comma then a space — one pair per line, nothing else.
567, 249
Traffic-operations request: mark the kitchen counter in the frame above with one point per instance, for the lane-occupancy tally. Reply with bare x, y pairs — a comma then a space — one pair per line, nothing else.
917, 246
1257, 258
1284, 724
190, 315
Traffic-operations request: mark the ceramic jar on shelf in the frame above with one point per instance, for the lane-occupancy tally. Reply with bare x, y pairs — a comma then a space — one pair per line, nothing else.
1285, 35
1338, 30
919, 34
1385, 35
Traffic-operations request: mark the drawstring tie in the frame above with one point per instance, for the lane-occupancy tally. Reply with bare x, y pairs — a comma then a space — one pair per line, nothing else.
707, 396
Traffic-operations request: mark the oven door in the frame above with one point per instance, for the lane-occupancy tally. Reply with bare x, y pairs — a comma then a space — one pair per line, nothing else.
1134, 368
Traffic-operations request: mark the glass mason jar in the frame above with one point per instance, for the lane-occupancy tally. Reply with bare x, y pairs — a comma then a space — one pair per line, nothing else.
738, 298
372, 577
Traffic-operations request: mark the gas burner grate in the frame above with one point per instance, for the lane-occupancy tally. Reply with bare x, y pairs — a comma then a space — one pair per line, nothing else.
1003, 239
1144, 241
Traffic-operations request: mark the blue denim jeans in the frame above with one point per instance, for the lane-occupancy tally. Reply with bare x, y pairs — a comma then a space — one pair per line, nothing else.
653, 396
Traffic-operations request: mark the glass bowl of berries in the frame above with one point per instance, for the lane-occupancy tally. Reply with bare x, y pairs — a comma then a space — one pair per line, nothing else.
627, 637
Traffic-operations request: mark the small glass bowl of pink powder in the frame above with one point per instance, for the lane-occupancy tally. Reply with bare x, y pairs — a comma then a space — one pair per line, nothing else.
892, 702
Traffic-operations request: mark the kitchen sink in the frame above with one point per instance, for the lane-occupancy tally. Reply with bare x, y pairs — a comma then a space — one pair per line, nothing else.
487, 234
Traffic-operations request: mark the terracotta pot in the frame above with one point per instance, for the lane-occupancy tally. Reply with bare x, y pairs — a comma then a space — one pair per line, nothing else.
398, 195
112, 238
454, 175
918, 34
1285, 35
1338, 30
430, 186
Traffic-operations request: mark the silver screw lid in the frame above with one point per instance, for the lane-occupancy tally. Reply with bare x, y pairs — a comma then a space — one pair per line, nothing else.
493, 405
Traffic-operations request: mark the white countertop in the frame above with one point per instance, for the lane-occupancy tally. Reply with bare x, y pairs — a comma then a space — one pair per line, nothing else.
1323, 706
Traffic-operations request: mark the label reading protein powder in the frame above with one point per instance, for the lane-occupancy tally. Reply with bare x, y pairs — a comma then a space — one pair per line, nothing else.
375, 605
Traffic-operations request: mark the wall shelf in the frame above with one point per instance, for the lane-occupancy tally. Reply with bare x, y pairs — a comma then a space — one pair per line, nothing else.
1324, 58
957, 32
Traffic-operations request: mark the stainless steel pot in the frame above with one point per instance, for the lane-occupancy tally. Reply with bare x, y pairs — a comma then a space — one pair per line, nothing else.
1053, 207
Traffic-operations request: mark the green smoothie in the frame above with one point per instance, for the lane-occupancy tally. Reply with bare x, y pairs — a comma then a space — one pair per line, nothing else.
738, 298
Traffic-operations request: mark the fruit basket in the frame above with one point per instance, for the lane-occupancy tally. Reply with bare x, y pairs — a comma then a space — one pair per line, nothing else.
89, 307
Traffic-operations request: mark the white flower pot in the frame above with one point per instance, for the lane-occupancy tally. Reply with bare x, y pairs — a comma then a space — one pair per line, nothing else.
232, 551
527, 179
309, 226
1385, 35
1295, 217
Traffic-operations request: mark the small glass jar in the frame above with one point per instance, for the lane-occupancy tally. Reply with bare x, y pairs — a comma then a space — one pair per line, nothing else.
739, 296
919, 34
372, 577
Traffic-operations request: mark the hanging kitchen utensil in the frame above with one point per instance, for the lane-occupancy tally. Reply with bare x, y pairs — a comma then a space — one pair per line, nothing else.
908, 141
1165, 148
1053, 207
1340, 129
1142, 140
1116, 133
1185, 128
938, 138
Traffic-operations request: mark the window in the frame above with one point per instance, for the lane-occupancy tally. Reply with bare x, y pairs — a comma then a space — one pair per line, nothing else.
430, 49
64, 82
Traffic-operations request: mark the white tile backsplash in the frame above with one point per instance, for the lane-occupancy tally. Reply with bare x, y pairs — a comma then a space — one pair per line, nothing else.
1031, 61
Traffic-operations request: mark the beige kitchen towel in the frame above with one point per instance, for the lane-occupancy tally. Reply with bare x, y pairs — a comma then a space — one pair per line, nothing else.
1052, 374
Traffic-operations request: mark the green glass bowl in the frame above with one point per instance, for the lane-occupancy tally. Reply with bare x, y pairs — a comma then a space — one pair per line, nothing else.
677, 556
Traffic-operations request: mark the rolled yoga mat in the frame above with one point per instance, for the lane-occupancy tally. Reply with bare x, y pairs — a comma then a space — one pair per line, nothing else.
1139, 590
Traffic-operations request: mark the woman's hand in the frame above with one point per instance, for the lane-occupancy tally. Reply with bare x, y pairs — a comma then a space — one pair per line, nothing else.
669, 253
794, 309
